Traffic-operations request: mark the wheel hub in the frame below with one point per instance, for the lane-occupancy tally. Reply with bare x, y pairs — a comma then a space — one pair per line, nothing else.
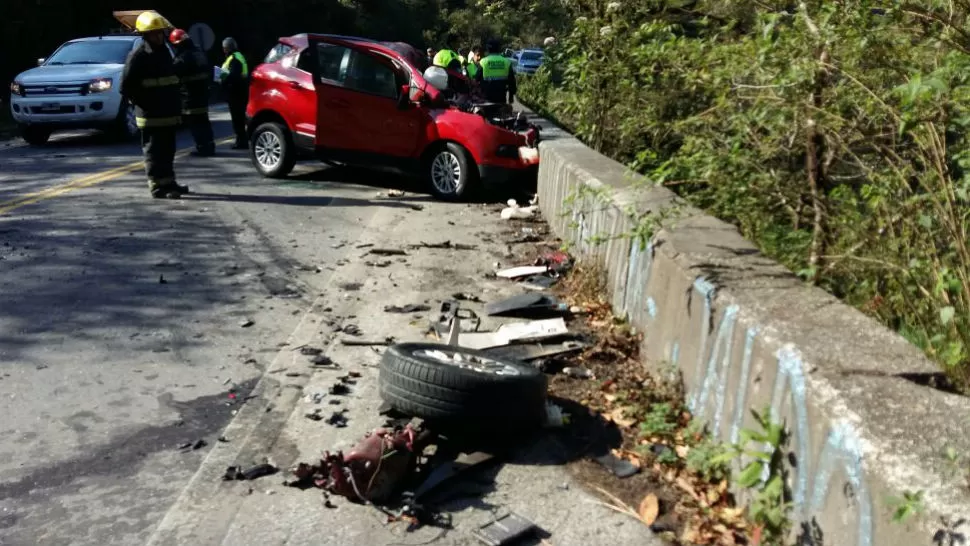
470, 362
268, 150
446, 172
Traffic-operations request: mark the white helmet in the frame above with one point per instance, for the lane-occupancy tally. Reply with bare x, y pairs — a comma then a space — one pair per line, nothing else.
549, 41
437, 77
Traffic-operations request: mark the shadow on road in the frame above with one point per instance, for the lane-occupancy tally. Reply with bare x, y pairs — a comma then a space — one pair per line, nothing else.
296, 200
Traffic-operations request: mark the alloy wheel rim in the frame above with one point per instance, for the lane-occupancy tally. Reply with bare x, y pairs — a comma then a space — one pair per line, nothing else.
268, 150
475, 363
446, 172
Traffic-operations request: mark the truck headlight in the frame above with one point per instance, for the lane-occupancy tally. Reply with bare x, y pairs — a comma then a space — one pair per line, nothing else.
16, 89
99, 85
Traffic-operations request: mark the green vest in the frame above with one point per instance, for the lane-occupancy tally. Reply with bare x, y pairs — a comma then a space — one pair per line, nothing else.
444, 57
495, 67
242, 60
471, 69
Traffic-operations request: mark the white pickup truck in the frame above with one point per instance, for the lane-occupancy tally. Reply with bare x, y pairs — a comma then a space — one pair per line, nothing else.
75, 88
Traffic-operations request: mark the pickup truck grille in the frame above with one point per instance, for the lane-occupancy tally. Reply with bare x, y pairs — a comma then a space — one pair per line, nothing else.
55, 89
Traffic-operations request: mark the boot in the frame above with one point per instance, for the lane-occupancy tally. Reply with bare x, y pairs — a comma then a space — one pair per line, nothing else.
166, 193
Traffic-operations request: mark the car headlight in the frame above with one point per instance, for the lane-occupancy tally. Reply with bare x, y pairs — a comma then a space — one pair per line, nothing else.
16, 89
99, 85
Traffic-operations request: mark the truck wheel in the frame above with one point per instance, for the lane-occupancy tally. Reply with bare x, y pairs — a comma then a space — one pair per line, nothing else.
125, 126
34, 135
272, 151
456, 385
452, 172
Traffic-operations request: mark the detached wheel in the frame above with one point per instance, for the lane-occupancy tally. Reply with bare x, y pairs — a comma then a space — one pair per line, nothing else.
125, 126
272, 151
34, 135
461, 386
452, 172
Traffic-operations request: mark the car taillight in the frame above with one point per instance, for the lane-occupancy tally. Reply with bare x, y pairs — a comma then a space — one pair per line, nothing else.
17, 89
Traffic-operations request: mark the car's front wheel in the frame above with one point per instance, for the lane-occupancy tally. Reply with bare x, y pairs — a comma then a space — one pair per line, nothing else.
34, 135
272, 151
451, 171
126, 124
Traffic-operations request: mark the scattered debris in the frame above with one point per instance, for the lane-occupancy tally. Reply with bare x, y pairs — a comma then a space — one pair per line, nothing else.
314, 415
350, 330
527, 352
355, 375
161, 279
350, 286
529, 305
365, 245
198, 444
538, 282
515, 331
508, 529
621, 468
578, 372
522, 271
451, 469
387, 252
310, 351
445, 245
323, 361
394, 193
294, 374
367, 342
382, 263
409, 308
339, 389
463, 296
514, 211
223, 439
252, 473
338, 418
246, 323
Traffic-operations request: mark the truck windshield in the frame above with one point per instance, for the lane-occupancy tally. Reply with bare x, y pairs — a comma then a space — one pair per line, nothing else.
99, 52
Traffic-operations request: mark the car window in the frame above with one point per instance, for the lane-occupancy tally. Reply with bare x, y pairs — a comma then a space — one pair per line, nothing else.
277, 53
530, 56
370, 74
92, 52
333, 62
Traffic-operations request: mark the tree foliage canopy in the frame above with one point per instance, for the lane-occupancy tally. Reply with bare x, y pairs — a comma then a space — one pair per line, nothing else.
832, 132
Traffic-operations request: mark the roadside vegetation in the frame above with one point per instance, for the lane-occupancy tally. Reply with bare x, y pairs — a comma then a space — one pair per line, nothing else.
833, 134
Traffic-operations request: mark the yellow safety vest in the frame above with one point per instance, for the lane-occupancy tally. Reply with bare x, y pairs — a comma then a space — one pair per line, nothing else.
242, 60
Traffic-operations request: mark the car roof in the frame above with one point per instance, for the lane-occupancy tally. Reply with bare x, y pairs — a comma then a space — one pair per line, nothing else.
532, 50
399, 50
124, 37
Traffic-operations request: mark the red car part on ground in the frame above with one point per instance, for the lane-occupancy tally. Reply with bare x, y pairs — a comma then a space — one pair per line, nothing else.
361, 102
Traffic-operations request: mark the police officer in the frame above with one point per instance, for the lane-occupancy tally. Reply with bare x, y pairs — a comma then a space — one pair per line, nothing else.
472, 68
192, 68
496, 77
447, 59
235, 82
150, 83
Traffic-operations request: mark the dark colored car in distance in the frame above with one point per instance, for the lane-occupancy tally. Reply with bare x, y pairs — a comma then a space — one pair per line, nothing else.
361, 102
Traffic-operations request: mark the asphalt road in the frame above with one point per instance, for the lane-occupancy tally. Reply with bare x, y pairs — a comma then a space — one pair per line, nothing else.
121, 320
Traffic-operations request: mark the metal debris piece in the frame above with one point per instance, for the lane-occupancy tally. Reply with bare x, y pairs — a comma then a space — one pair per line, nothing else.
366, 342
246, 323
323, 360
578, 372
409, 308
621, 468
508, 529
339, 389
253, 472
310, 351
387, 252
445, 245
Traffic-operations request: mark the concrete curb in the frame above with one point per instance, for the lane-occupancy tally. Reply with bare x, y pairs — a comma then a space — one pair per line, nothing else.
747, 334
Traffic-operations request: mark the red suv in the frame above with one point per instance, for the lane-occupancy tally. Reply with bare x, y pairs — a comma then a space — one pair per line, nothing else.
360, 102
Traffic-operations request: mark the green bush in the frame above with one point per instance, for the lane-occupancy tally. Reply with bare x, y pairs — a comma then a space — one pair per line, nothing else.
833, 134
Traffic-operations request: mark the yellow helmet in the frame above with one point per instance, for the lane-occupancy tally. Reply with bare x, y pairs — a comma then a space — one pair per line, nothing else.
150, 21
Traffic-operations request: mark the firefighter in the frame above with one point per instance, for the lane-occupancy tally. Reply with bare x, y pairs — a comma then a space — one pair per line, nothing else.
235, 82
496, 77
150, 83
192, 68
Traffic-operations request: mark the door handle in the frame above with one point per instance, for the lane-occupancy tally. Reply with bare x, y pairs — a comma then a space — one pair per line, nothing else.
338, 103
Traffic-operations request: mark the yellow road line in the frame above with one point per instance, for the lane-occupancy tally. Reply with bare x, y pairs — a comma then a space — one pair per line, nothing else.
84, 182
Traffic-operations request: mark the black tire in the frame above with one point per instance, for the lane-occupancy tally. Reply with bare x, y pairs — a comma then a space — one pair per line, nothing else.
453, 156
422, 386
34, 135
124, 127
272, 151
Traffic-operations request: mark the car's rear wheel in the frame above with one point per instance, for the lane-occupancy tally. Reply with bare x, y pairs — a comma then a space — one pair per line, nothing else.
452, 172
272, 151
34, 135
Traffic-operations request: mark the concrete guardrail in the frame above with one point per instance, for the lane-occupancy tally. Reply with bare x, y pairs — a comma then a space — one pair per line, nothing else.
747, 334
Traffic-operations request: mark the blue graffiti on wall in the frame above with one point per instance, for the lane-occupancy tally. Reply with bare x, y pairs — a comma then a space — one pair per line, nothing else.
708, 399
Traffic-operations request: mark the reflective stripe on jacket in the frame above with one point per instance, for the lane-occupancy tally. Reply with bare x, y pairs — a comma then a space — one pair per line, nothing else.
242, 61
193, 70
495, 67
150, 82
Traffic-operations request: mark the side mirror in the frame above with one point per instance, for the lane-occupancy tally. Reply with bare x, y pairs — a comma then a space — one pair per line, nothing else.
40, 61
404, 97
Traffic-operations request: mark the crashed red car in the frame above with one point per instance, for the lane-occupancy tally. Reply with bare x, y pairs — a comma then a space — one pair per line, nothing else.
361, 102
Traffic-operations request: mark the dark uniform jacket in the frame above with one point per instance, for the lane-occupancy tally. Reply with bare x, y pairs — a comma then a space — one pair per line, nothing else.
149, 81
501, 90
192, 68
235, 84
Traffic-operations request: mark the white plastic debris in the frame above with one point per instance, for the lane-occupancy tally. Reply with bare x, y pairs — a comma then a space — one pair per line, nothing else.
515, 211
554, 415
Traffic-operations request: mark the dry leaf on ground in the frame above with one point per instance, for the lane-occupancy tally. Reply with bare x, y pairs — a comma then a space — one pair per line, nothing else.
649, 509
